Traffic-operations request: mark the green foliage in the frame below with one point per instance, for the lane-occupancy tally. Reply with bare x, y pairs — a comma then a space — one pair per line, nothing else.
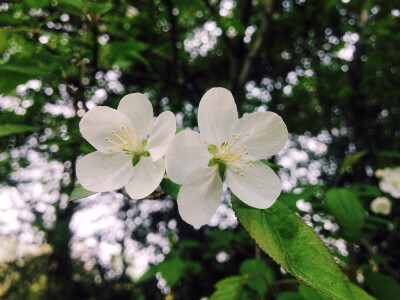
170, 187
80, 192
347, 209
359, 293
294, 245
14, 73
271, 165
8, 129
229, 288
350, 161
382, 286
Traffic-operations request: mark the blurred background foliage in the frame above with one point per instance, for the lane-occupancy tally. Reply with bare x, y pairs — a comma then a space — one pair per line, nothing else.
329, 68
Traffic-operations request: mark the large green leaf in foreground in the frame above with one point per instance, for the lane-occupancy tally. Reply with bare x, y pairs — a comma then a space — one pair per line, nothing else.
293, 244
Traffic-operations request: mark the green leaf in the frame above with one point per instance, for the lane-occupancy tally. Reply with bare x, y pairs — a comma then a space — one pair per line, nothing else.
289, 241
8, 129
13, 74
347, 210
228, 288
3, 40
289, 295
382, 286
257, 284
172, 270
389, 154
37, 3
257, 266
309, 294
271, 165
80, 192
171, 188
290, 199
359, 293
350, 160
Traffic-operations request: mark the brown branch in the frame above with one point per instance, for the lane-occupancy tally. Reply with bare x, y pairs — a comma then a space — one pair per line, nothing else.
255, 50
173, 21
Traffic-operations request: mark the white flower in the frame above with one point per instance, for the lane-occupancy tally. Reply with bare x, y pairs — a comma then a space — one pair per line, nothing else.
381, 205
225, 142
130, 147
390, 182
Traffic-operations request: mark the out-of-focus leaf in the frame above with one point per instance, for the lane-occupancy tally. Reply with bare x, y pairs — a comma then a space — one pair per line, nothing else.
290, 199
8, 129
382, 286
259, 274
98, 8
290, 295
228, 288
347, 210
389, 154
172, 270
37, 3
80, 192
257, 266
257, 284
350, 160
359, 293
13, 74
309, 294
289, 241
170, 187
271, 165
3, 40
72, 3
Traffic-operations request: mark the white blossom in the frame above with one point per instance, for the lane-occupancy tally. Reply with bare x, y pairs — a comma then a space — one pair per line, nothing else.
225, 145
390, 182
130, 147
381, 205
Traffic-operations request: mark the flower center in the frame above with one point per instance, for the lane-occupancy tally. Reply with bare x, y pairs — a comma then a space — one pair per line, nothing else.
130, 141
231, 155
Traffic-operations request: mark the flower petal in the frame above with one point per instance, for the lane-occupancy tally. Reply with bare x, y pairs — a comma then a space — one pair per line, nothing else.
146, 178
198, 201
139, 110
161, 135
259, 187
186, 156
99, 172
216, 115
263, 133
97, 123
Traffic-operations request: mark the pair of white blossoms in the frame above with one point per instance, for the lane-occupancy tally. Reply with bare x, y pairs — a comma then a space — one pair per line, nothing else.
134, 150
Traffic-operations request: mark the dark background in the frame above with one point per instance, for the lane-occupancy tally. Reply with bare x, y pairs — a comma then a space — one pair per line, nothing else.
329, 68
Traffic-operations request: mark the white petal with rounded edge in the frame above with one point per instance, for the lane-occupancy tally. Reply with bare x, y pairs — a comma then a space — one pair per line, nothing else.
161, 135
267, 134
146, 178
139, 110
259, 187
97, 123
187, 156
216, 115
198, 202
99, 172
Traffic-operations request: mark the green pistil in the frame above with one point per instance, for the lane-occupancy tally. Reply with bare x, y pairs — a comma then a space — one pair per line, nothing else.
212, 149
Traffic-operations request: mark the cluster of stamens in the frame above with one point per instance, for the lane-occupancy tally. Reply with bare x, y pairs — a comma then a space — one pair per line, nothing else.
232, 154
128, 139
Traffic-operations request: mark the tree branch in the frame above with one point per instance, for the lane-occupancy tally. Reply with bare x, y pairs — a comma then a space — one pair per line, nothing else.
254, 51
